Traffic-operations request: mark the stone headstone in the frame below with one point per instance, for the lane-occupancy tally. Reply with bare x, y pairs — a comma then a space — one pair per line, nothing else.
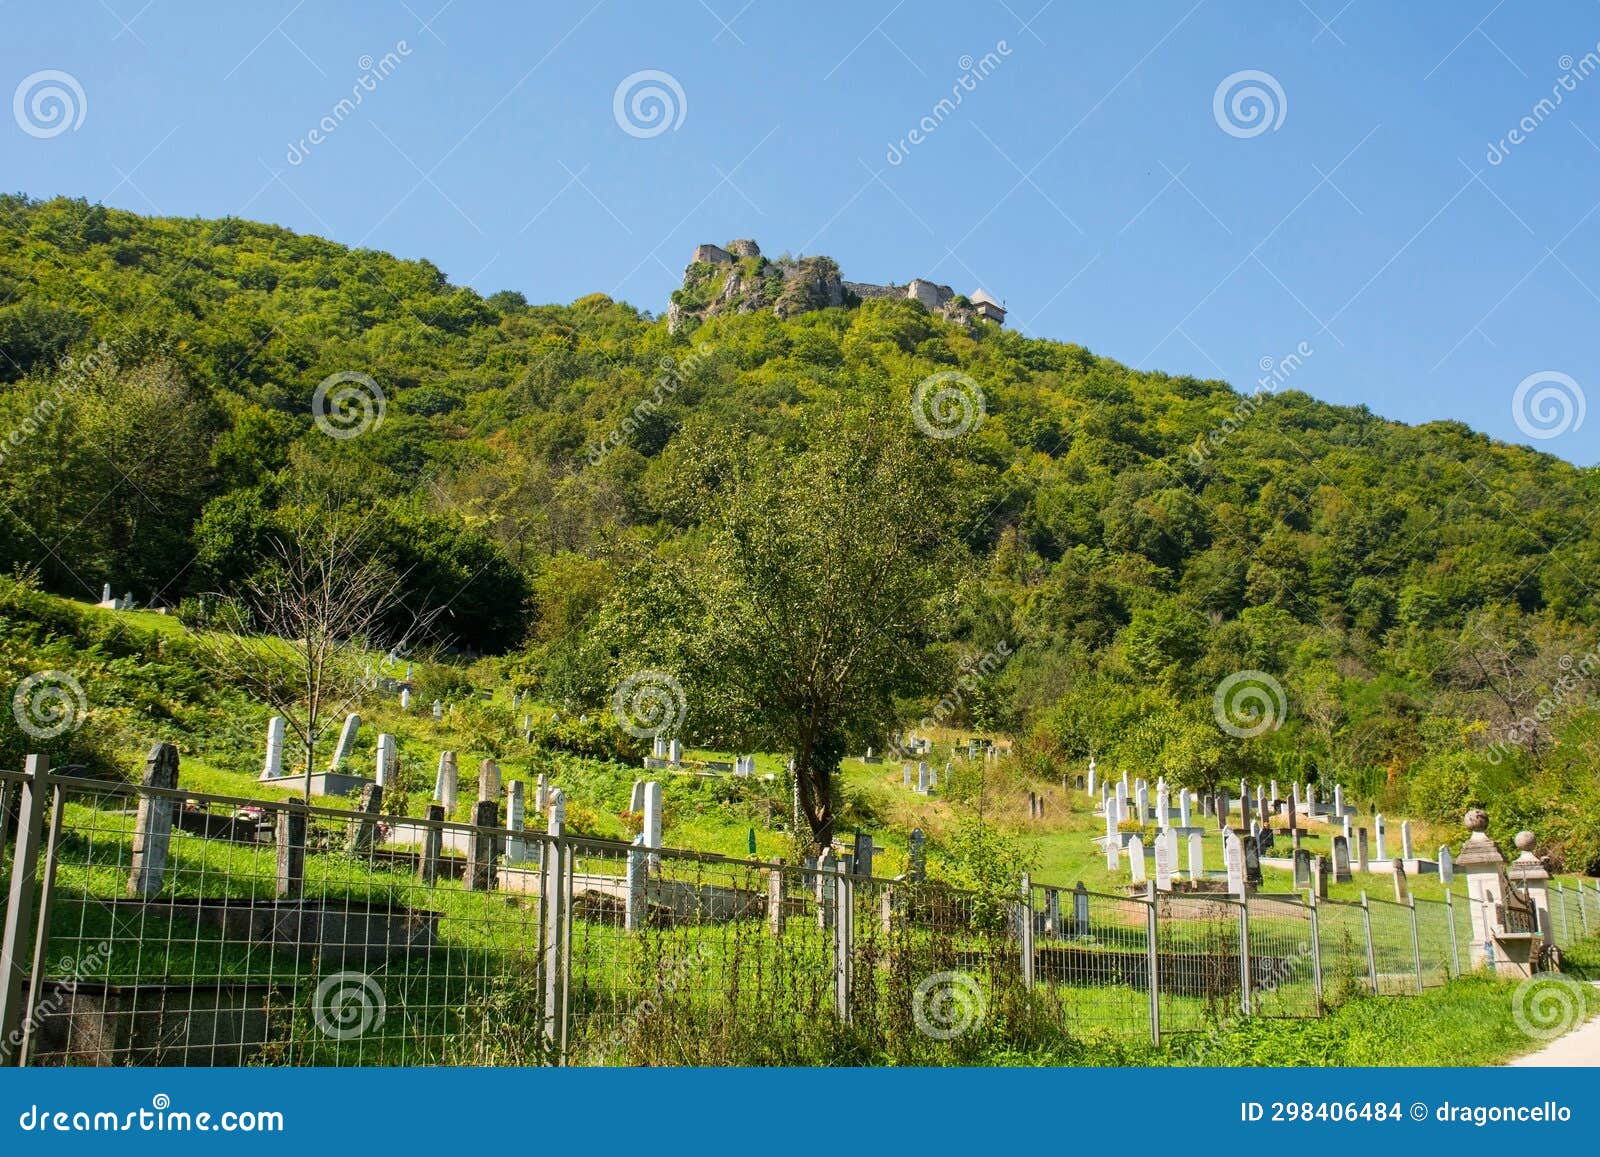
1447, 866
516, 817
1377, 835
1221, 807
658, 747
273, 766
558, 812
1319, 868
1184, 815
1244, 812
916, 857
384, 760
922, 778
1252, 862
405, 699
1163, 805
438, 710
1122, 797
1080, 910
1164, 864
152, 826
1363, 861
489, 781
652, 820
861, 860
636, 798
347, 741
1136, 860
1405, 840
905, 775
675, 752
1302, 869
1197, 856
1341, 860
1092, 785
481, 847
445, 782
1233, 857
1401, 892
541, 794
1113, 846
1141, 798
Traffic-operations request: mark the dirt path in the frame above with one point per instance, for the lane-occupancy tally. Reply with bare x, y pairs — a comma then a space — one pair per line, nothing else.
1578, 1049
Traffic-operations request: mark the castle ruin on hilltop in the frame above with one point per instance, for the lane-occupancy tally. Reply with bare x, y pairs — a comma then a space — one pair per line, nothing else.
738, 279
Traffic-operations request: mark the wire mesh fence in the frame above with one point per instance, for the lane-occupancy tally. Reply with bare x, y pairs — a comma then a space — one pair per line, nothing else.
174, 928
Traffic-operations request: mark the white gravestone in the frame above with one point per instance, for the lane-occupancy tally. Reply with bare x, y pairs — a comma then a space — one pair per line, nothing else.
1447, 866
347, 741
1233, 857
1405, 839
1197, 856
1163, 865
273, 766
1377, 835
383, 763
516, 816
652, 820
1136, 860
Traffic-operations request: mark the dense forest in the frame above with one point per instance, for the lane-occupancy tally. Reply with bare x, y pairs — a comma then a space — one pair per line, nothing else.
1410, 605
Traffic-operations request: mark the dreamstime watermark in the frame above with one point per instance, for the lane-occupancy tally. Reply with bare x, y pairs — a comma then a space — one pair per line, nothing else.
1249, 102
160, 1117
1574, 674
673, 371
348, 404
1548, 1005
948, 1005
947, 404
1573, 73
348, 1005
666, 984
649, 102
373, 73
1267, 976
1274, 373
1548, 404
1249, 703
49, 703
74, 973
974, 670
650, 703
49, 102
973, 73
71, 375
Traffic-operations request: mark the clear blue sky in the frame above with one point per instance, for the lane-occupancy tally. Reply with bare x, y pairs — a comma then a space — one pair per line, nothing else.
1086, 179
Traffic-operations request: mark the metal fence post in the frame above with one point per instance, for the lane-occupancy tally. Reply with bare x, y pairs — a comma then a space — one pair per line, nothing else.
41, 939
1153, 959
843, 940
1416, 943
1450, 918
552, 889
1244, 957
1561, 901
1025, 930
1316, 948
1372, 960
1583, 911
19, 906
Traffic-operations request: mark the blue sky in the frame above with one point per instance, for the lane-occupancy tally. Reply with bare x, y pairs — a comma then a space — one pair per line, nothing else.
1088, 178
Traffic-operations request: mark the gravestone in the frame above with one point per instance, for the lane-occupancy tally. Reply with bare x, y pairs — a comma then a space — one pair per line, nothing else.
636, 797
652, 821
861, 861
541, 794
933, 776
272, 768
1141, 798
1261, 804
432, 845
481, 847
658, 747
1080, 910
489, 781
825, 884
438, 711
1163, 804
1244, 812
1266, 840
1377, 835
916, 857
1233, 857
1221, 807
1093, 783
1136, 860
516, 817
1405, 839
1111, 824
1338, 800
365, 828
152, 825
384, 759
1252, 863
1197, 856
558, 813
1344, 822
447, 760
905, 775
1122, 798
1302, 869
347, 741
922, 778
405, 699
1447, 866
1163, 864
1113, 847
1293, 813
1311, 801
1363, 862
1183, 807
1319, 867
675, 752
1401, 892
1275, 796
1341, 860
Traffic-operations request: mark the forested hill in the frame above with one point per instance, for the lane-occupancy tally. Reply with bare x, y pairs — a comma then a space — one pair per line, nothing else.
1132, 538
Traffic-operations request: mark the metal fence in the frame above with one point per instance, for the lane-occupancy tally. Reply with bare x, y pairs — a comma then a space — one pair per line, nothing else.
146, 925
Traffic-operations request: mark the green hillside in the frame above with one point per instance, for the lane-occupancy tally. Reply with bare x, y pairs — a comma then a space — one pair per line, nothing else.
571, 490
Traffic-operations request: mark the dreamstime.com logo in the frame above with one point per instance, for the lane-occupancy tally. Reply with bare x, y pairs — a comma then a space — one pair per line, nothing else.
49, 102
1547, 1005
947, 404
348, 404
1249, 102
160, 1117
49, 703
947, 1005
648, 103
1548, 404
1249, 703
650, 703
348, 1005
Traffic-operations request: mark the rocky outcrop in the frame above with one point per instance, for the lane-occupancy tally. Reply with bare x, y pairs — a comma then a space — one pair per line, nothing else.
738, 279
